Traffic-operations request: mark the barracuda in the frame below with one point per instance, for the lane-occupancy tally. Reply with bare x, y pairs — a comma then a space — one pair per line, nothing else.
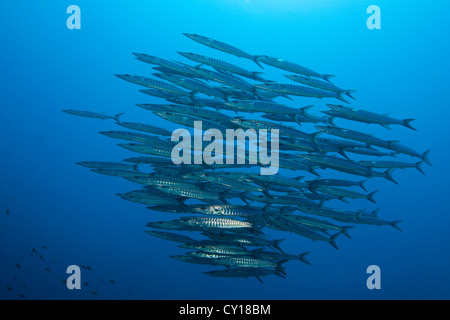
319, 83
303, 91
291, 67
222, 65
222, 46
214, 223
137, 137
145, 128
369, 117
154, 84
191, 84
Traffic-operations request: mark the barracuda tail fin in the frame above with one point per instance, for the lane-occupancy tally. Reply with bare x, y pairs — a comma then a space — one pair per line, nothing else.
117, 116
340, 97
345, 232
388, 175
279, 267
361, 184
302, 257
332, 240
425, 158
304, 111
349, 93
394, 224
276, 244
418, 167
407, 122
370, 196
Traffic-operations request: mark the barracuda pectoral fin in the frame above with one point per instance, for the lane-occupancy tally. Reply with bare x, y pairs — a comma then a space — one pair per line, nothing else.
259, 279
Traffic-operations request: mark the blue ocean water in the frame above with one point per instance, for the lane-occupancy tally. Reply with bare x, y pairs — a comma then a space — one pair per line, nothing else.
48, 201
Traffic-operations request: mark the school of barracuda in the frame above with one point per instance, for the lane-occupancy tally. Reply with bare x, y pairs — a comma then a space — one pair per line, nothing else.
229, 206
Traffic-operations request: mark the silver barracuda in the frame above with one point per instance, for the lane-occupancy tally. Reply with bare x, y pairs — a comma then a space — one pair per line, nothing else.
222, 46
91, 114
291, 67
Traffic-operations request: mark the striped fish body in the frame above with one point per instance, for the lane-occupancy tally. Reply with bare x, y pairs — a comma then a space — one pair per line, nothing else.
91, 114
369, 117
297, 90
221, 46
344, 193
231, 81
148, 199
164, 63
191, 84
228, 210
153, 84
153, 161
170, 236
196, 259
188, 120
247, 262
136, 137
214, 223
262, 106
145, 128
188, 192
107, 165
313, 222
222, 65
355, 135
315, 82
161, 94
329, 213
291, 67
117, 172
299, 229
220, 250
157, 150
